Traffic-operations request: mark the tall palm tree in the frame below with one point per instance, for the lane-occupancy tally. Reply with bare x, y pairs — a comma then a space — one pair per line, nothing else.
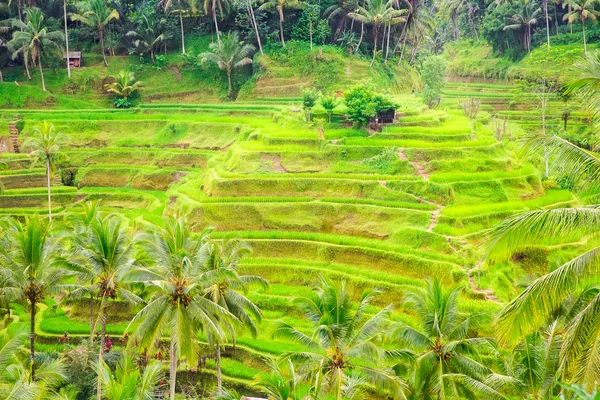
228, 54
278, 6
581, 10
377, 13
344, 338
168, 4
211, 7
173, 270
97, 14
447, 361
33, 40
31, 267
45, 146
220, 265
340, 9
525, 19
124, 85
128, 382
66, 37
105, 259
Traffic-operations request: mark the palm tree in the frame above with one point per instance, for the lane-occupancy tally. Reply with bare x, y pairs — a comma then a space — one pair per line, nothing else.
148, 37
31, 267
128, 382
167, 6
210, 7
282, 381
344, 339
174, 271
97, 14
45, 146
221, 261
340, 9
447, 361
124, 85
45, 385
250, 6
33, 39
228, 54
104, 257
581, 10
66, 37
525, 19
279, 6
377, 13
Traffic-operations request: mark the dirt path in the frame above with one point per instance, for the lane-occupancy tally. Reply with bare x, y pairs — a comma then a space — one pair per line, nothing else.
416, 165
276, 160
489, 295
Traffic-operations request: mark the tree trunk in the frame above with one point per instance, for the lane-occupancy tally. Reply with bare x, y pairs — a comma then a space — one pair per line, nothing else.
583, 29
545, 5
32, 338
375, 28
255, 25
310, 31
66, 38
403, 46
387, 49
362, 31
229, 83
214, 14
172, 368
181, 26
218, 363
281, 29
400, 38
102, 45
91, 318
454, 24
8, 305
102, 344
556, 19
570, 23
41, 72
48, 184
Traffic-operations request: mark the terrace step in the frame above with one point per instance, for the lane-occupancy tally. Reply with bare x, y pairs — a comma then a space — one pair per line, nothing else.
14, 137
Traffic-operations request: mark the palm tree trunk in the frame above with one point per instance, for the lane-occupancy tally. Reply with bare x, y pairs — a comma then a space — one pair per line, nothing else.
66, 38
214, 14
254, 24
403, 46
375, 28
545, 5
229, 83
383, 38
26, 62
172, 368
32, 338
102, 344
281, 29
48, 184
8, 306
362, 31
102, 45
556, 18
569, 12
387, 49
41, 72
310, 31
583, 29
181, 27
91, 318
399, 39
218, 363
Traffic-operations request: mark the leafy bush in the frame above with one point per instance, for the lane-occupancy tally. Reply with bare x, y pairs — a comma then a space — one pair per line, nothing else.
434, 79
363, 103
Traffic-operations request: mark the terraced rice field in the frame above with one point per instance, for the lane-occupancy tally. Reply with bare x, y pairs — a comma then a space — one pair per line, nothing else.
384, 209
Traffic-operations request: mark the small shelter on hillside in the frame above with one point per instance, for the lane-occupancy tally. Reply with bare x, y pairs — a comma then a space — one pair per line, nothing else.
386, 116
74, 58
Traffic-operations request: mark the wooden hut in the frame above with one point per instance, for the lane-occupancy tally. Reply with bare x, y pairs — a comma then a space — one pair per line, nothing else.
74, 58
386, 116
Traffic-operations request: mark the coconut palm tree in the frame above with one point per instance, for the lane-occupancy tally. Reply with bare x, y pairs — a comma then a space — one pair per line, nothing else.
221, 261
581, 10
585, 83
340, 9
525, 19
45, 385
377, 13
124, 85
228, 54
344, 338
148, 37
128, 382
211, 7
173, 270
45, 146
31, 267
33, 39
66, 37
279, 6
168, 4
104, 258
446, 360
97, 14
282, 381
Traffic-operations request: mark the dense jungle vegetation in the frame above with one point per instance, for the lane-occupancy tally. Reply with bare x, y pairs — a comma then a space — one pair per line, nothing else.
299, 199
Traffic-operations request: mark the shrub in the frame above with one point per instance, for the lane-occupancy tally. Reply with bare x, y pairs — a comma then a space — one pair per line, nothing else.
434, 79
329, 103
309, 99
363, 103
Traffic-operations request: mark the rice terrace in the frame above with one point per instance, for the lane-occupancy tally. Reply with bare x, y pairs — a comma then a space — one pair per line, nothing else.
299, 200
